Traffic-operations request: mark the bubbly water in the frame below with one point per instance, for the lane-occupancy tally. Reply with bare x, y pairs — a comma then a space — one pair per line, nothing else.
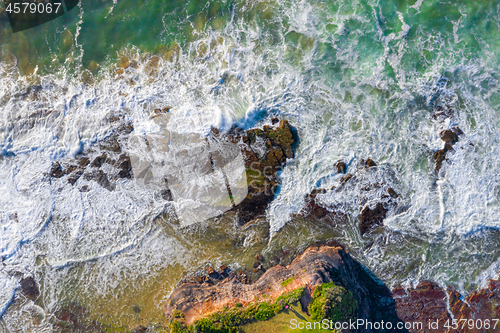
357, 79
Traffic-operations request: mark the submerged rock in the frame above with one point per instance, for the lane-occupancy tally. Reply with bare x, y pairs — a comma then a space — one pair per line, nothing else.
29, 288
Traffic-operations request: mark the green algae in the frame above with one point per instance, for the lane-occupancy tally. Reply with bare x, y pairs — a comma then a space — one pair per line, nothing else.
287, 282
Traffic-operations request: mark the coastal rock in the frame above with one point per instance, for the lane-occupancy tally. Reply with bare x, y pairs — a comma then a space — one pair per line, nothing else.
89, 163
375, 199
317, 265
426, 302
429, 302
371, 217
449, 136
341, 167
265, 152
440, 157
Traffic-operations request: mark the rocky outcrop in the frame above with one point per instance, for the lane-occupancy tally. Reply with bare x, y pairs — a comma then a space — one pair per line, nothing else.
450, 137
265, 152
91, 163
375, 199
316, 266
427, 302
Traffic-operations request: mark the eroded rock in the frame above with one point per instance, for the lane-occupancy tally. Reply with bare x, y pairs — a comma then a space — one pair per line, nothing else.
317, 265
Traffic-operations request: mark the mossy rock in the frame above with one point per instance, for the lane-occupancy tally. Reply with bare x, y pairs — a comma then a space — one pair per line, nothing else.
332, 302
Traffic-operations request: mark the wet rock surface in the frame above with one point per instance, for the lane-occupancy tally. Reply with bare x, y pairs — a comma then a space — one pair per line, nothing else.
265, 152
430, 302
29, 288
450, 135
90, 164
376, 199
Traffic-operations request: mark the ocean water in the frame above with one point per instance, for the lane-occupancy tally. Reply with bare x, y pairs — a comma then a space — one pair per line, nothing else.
357, 79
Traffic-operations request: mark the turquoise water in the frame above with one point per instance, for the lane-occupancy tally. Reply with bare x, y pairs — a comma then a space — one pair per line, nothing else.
357, 79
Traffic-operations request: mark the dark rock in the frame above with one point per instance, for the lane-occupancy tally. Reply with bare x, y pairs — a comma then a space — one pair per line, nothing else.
449, 136
70, 169
341, 167
392, 193
73, 178
259, 257
56, 171
29, 288
102, 179
371, 218
99, 160
83, 162
166, 195
448, 147
440, 157
312, 208
262, 171
370, 163
125, 166
224, 271
275, 121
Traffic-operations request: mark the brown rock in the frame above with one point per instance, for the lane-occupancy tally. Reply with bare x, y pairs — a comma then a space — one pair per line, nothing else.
425, 302
73, 178
83, 162
99, 160
209, 270
102, 179
341, 167
392, 193
370, 163
440, 157
259, 257
449, 136
56, 171
125, 166
371, 218
317, 265
262, 172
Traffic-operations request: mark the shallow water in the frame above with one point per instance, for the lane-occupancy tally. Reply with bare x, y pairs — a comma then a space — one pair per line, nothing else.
357, 79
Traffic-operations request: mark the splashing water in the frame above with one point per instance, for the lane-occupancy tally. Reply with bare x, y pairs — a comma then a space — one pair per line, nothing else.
357, 79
